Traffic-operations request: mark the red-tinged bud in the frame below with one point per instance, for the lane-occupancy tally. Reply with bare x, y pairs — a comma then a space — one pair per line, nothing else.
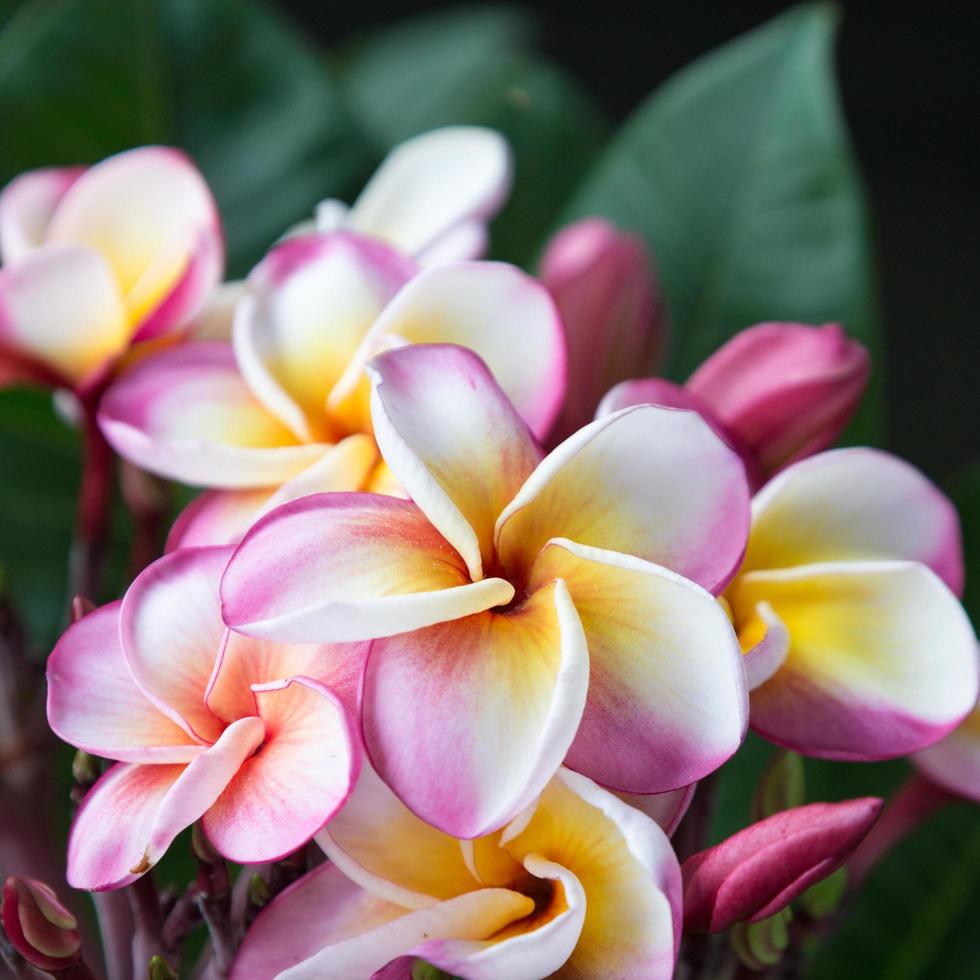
38, 926
761, 869
603, 283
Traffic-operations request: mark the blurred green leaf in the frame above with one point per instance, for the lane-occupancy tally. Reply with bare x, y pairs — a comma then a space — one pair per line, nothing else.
230, 81
473, 66
740, 175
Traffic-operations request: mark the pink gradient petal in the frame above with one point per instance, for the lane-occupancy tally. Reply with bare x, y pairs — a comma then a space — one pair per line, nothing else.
769, 654
186, 413
954, 763
453, 440
171, 631
320, 909
95, 705
855, 504
667, 701
26, 206
133, 813
282, 795
667, 810
502, 694
465, 241
652, 482
495, 310
307, 307
61, 306
762, 868
431, 184
348, 566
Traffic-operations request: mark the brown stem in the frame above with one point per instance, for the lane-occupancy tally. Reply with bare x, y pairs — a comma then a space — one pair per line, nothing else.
692, 834
116, 927
147, 921
147, 501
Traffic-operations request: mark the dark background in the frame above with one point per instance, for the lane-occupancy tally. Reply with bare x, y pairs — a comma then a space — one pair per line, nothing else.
909, 77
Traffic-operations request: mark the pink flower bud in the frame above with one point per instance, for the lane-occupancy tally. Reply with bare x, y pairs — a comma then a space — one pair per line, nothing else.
784, 390
38, 926
761, 869
603, 283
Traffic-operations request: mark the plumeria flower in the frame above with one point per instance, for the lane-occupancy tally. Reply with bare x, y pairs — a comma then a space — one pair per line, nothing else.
849, 579
581, 885
97, 259
250, 737
516, 601
954, 763
778, 392
284, 411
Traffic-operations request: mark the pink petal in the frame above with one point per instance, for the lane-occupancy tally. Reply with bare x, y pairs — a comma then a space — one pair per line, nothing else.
769, 654
95, 705
306, 309
502, 695
763, 868
26, 206
453, 440
171, 630
504, 316
134, 812
667, 700
667, 810
954, 763
187, 414
282, 795
348, 566
651, 482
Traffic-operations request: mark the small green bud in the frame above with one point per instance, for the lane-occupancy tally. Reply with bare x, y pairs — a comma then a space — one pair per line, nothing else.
822, 898
782, 786
159, 969
85, 769
259, 893
761, 944
426, 971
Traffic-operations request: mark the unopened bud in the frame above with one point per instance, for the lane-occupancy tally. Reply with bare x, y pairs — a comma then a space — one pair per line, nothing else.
38, 926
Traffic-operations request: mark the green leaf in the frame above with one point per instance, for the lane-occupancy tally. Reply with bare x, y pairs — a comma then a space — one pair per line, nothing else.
739, 173
473, 66
230, 81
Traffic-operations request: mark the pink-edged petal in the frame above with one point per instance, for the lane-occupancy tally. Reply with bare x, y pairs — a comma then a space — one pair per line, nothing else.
187, 414
882, 659
281, 796
766, 657
149, 212
320, 909
502, 694
954, 763
432, 183
171, 632
348, 566
627, 869
473, 916
26, 206
652, 482
536, 946
61, 306
215, 318
759, 870
667, 810
667, 700
505, 316
378, 842
133, 813
468, 240
223, 516
852, 505
453, 440
95, 705
306, 310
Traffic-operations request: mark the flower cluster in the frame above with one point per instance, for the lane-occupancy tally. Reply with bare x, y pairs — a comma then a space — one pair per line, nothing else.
464, 601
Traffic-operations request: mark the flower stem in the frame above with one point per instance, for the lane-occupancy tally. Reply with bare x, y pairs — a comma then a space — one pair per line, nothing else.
92, 516
144, 904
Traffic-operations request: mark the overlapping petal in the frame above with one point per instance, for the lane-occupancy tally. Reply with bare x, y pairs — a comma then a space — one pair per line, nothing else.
133, 812
881, 661
667, 698
502, 314
453, 440
502, 694
854, 505
186, 413
954, 763
349, 567
304, 772
306, 310
95, 705
651, 482
26, 206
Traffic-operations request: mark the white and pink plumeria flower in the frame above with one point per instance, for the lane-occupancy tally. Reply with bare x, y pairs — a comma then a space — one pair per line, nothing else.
98, 259
283, 412
522, 609
579, 885
848, 592
255, 739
